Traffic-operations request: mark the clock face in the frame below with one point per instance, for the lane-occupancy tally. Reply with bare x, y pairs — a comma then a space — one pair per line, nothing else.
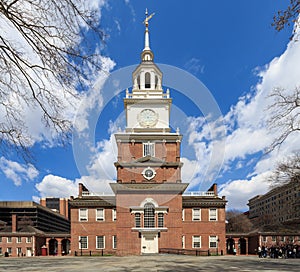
149, 173
147, 118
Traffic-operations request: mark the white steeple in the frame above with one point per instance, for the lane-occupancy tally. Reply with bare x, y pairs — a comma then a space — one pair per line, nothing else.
147, 54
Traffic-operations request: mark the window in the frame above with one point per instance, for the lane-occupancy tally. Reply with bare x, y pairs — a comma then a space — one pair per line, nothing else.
213, 241
196, 241
19, 240
9, 239
19, 251
100, 214
160, 220
183, 214
213, 215
148, 149
9, 251
273, 238
83, 214
114, 241
196, 214
0, 250
100, 242
83, 242
114, 214
137, 220
149, 216
0, 239
147, 80
28, 239
291, 239
183, 241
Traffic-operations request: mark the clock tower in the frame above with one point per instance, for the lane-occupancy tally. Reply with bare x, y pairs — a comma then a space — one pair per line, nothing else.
148, 165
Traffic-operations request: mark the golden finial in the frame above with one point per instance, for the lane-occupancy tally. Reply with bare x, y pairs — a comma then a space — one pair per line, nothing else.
146, 21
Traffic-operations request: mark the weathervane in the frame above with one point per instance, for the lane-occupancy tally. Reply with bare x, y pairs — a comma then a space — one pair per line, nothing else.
147, 18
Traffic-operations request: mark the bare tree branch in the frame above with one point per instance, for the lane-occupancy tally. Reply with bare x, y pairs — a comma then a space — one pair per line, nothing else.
43, 63
284, 114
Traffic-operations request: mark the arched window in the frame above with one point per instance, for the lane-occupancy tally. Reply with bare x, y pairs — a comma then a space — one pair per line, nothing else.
147, 80
149, 216
156, 82
139, 82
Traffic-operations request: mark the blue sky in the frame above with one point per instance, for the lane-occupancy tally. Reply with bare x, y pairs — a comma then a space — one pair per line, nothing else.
231, 47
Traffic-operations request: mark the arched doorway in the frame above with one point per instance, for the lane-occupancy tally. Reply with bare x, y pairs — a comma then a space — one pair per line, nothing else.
242, 245
53, 244
65, 246
229, 245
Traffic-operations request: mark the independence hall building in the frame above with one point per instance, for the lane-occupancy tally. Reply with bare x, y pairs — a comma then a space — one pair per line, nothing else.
149, 211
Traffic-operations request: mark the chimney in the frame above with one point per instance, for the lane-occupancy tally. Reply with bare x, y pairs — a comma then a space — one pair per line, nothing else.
215, 189
80, 189
14, 223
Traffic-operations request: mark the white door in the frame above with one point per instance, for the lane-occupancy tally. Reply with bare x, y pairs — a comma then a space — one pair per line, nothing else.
149, 243
28, 251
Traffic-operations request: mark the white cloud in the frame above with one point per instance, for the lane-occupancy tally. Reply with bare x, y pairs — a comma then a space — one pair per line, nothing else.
18, 172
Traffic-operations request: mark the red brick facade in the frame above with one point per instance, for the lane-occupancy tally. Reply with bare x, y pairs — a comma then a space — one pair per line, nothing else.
151, 211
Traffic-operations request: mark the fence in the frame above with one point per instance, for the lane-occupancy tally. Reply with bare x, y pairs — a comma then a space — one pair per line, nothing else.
193, 252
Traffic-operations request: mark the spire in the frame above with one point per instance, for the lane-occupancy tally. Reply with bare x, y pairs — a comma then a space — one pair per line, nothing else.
147, 54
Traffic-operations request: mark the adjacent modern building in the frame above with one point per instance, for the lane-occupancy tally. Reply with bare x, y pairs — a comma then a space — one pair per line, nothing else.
149, 210
29, 229
275, 217
56, 204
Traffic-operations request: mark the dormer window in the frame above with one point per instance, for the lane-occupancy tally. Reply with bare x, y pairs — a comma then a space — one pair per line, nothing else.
147, 81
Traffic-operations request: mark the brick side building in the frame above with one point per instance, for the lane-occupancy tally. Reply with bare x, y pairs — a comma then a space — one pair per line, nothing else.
148, 211
27, 227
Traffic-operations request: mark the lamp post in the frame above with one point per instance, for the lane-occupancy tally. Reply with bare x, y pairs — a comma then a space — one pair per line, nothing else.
218, 246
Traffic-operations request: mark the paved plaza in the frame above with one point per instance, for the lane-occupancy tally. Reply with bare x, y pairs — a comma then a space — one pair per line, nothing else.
170, 263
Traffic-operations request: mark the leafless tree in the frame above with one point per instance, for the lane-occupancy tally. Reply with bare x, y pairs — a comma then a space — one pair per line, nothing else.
287, 17
287, 171
43, 59
237, 222
284, 114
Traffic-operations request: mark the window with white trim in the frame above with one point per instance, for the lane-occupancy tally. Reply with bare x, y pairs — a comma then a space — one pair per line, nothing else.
213, 240
196, 214
114, 241
9, 239
9, 250
149, 215
137, 220
160, 220
100, 215
19, 240
196, 241
83, 214
0, 250
148, 149
83, 242
100, 242
183, 214
19, 251
213, 214
114, 214
28, 239
0, 239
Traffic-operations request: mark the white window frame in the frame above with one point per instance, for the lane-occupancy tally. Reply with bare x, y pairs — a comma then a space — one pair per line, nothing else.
0, 239
19, 240
114, 214
213, 217
101, 216
28, 239
194, 240
83, 217
114, 241
183, 214
80, 243
149, 149
183, 241
9, 239
213, 239
97, 238
19, 251
9, 250
195, 216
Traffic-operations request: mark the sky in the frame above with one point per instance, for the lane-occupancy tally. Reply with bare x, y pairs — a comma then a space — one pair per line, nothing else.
229, 48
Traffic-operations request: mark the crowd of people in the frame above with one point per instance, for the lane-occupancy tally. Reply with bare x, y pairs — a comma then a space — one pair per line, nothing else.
284, 251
